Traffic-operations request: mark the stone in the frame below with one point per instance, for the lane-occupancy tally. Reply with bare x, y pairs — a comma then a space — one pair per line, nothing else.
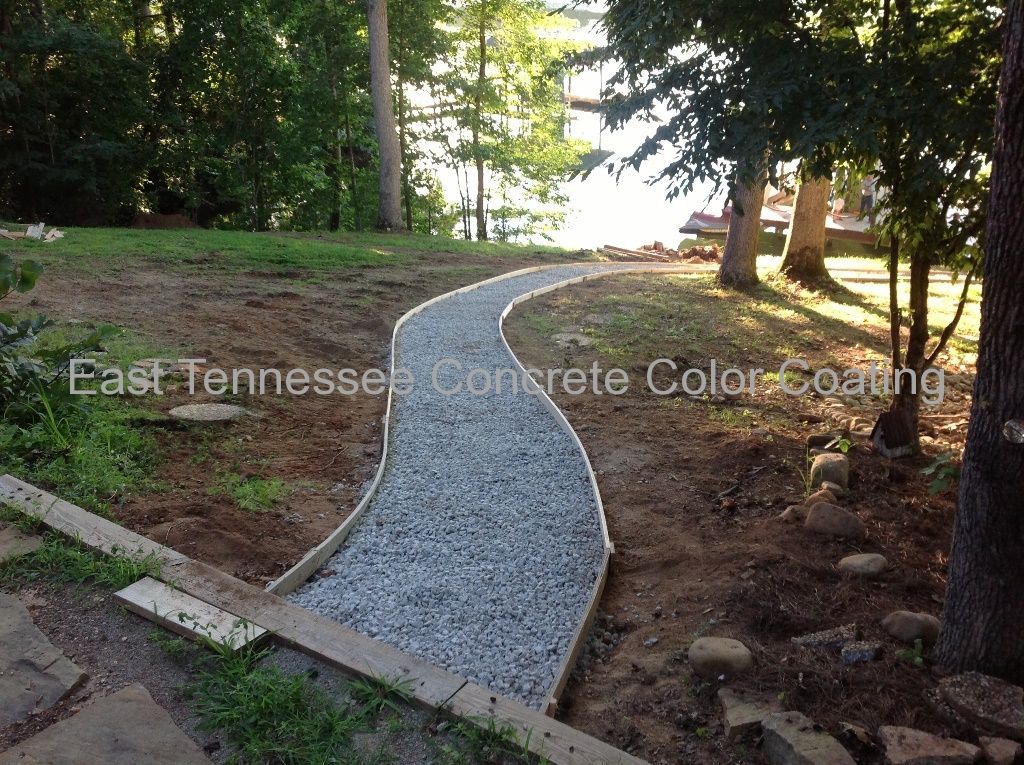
831, 638
832, 487
993, 705
714, 657
1000, 751
569, 340
790, 738
14, 543
822, 495
208, 412
832, 520
125, 728
860, 651
820, 440
834, 468
910, 626
864, 565
793, 514
34, 674
907, 746
743, 711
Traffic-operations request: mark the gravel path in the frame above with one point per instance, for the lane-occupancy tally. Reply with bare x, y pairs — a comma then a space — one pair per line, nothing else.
481, 546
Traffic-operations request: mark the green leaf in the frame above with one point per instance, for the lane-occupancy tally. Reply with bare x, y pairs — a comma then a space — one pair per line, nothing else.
29, 273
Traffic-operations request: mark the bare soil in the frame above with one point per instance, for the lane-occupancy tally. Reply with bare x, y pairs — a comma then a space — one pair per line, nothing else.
692, 491
325, 447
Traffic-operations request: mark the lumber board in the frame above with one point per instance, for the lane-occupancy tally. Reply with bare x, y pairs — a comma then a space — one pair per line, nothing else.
545, 736
94, 532
188, 616
318, 636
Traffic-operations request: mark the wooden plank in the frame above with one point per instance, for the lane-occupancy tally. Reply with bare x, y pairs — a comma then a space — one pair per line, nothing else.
546, 737
185, 615
94, 532
318, 636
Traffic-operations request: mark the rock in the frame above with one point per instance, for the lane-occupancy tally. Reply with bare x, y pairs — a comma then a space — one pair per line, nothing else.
864, 565
831, 467
832, 487
793, 514
993, 705
860, 651
909, 626
124, 728
1000, 751
713, 657
14, 544
821, 440
822, 495
832, 520
34, 674
790, 738
568, 340
832, 638
743, 711
208, 412
907, 746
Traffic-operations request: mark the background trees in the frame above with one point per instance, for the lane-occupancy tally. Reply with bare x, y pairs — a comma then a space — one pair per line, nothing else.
260, 113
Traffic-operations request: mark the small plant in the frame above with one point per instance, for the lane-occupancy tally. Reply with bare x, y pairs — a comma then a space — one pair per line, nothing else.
914, 655
944, 471
174, 647
376, 694
252, 494
484, 741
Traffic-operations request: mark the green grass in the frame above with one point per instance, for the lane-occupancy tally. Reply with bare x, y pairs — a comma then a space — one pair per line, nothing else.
252, 494
63, 561
484, 741
288, 254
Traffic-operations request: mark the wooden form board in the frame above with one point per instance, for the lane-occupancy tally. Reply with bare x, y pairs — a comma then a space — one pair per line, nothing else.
320, 637
185, 615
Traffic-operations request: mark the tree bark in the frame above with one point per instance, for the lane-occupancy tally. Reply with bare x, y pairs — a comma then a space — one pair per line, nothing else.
481, 212
739, 261
803, 258
983, 619
389, 209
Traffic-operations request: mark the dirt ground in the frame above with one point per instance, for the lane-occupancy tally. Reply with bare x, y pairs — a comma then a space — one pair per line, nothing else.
325, 447
691, 491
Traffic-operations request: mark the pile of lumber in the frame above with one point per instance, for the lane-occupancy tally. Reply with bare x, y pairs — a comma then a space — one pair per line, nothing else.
658, 251
36, 231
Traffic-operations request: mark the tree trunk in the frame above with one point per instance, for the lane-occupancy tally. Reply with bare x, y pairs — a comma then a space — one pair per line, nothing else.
389, 209
481, 212
739, 261
803, 258
984, 616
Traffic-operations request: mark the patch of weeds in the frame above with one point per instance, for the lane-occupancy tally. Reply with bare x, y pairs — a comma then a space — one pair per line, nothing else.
734, 418
268, 716
541, 323
174, 647
253, 494
944, 471
63, 561
376, 694
484, 741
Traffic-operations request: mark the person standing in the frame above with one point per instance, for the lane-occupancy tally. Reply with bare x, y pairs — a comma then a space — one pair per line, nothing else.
867, 197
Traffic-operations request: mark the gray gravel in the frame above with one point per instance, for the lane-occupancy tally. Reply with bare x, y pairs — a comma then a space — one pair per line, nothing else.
482, 543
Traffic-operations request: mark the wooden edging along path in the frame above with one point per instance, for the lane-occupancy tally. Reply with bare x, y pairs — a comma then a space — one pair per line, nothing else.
316, 635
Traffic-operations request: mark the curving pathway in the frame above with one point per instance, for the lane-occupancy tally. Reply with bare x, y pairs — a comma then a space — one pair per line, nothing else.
480, 549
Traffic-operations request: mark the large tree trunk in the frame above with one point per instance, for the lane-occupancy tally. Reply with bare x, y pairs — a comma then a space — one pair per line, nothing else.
481, 212
389, 209
803, 258
983, 622
739, 261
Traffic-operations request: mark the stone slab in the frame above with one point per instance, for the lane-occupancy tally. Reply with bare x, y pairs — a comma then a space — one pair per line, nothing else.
34, 674
14, 543
125, 728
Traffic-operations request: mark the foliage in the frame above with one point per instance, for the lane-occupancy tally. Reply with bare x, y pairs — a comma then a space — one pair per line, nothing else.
377, 694
914, 655
944, 471
484, 740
